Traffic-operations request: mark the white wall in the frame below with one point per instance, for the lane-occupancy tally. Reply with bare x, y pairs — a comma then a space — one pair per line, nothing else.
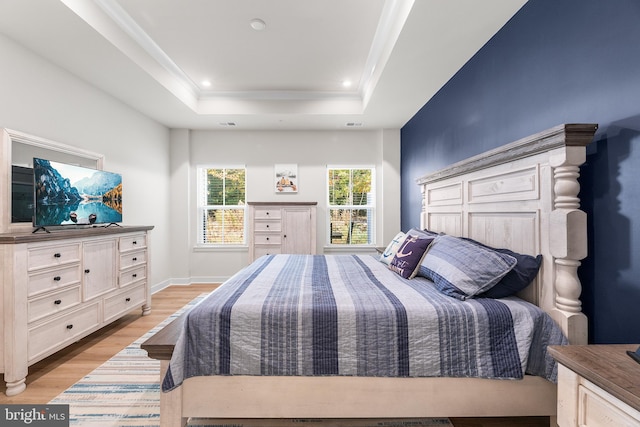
312, 151
158, 164
43, 100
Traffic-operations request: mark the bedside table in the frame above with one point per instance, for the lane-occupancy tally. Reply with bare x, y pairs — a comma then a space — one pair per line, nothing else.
598, 385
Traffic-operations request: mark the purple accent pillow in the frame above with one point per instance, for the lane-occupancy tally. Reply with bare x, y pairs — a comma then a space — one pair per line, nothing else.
406, 261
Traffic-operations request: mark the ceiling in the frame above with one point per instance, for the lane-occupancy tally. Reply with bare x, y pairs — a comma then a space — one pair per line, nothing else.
156, 55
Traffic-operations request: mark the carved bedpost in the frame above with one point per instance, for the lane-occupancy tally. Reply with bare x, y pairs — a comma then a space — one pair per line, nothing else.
423, 208
570, 246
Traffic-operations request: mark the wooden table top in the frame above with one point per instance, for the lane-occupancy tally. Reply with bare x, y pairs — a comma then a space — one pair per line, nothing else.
606, 365
161, 344
69, 232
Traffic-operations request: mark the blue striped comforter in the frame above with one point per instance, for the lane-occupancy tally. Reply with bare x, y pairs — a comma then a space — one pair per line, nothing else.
350, 315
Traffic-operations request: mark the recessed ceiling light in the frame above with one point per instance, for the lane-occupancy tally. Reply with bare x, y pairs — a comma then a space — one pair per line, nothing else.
205, 83
346, 83
258, 24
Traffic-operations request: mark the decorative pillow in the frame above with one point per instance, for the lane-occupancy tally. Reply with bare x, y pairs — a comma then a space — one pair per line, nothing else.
406, 261
431, 233
462, 269
392, 248
422, 233
518, 278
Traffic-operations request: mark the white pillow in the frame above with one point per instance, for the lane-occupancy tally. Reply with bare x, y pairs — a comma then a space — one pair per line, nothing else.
392, 248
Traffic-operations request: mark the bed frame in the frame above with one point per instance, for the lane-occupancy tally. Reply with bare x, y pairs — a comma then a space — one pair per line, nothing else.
523, 196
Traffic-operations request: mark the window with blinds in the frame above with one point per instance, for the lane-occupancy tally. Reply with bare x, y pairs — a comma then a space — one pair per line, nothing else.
351, 205
221, 205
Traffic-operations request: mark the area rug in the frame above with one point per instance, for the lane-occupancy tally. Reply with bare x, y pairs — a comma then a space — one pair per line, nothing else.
125, 392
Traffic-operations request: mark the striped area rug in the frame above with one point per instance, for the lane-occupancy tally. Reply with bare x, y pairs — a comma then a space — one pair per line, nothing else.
125, 392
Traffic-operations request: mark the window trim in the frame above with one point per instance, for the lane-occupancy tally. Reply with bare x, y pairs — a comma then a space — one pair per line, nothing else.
372, 206
200, 183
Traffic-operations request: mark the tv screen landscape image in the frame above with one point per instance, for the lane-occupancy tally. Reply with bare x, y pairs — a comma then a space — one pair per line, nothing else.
67, 194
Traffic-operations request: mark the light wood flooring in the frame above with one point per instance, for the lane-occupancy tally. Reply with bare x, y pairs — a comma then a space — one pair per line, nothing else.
56, 373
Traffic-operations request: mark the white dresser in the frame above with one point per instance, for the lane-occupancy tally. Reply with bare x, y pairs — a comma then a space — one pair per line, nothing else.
598, 386
59, 287
281, 228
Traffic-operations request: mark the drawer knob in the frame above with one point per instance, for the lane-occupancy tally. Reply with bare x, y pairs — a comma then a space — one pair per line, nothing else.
267, 225
57, 278
134, 275
87, 271
57, 255
127, 299
135, 258
267, 213
135, 242
285, 236
267, 238
69, 326
58, 302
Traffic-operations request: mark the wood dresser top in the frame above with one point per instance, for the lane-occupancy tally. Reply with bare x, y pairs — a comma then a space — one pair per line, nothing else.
68, 233
607, 366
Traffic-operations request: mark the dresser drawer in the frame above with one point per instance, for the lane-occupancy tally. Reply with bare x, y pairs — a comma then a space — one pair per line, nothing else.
57, 333
598, 408
266, 250
133, 258
267, 213
132, 275
51, 256
53, 279
52, 303
123, 302
274, 226
267, 239
128, 243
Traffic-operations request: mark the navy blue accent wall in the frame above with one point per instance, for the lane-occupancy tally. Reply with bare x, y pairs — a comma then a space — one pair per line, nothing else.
555, 61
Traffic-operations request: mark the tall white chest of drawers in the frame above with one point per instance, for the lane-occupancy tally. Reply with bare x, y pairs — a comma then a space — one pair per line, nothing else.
61, 286
281, 228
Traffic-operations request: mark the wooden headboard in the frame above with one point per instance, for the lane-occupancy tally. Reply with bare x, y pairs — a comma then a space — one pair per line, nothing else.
523, 196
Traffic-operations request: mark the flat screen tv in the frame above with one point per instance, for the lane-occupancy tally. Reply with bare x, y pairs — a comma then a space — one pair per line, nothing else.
66, 194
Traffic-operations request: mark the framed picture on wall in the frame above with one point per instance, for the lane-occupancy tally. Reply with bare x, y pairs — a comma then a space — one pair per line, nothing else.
286, 178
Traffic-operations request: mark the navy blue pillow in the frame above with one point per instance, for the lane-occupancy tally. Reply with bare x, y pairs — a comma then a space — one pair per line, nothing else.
518, 278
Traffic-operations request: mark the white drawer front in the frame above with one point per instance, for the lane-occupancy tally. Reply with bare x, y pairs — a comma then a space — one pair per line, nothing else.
267, 213
52, 303
133, 258
128, 243
51, 256
265, 250
123, 302
274, 226
599, 409
267, 239
61, 331
133, 275
53, 279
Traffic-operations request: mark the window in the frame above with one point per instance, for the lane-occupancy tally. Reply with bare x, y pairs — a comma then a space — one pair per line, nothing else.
221, 205
351, 205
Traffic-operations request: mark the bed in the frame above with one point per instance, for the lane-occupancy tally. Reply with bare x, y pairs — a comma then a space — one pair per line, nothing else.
522, 197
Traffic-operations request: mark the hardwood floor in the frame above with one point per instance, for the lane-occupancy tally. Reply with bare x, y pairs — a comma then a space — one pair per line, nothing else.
56, 373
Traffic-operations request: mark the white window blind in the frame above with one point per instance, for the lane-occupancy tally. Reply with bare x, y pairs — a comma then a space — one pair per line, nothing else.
221, 205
